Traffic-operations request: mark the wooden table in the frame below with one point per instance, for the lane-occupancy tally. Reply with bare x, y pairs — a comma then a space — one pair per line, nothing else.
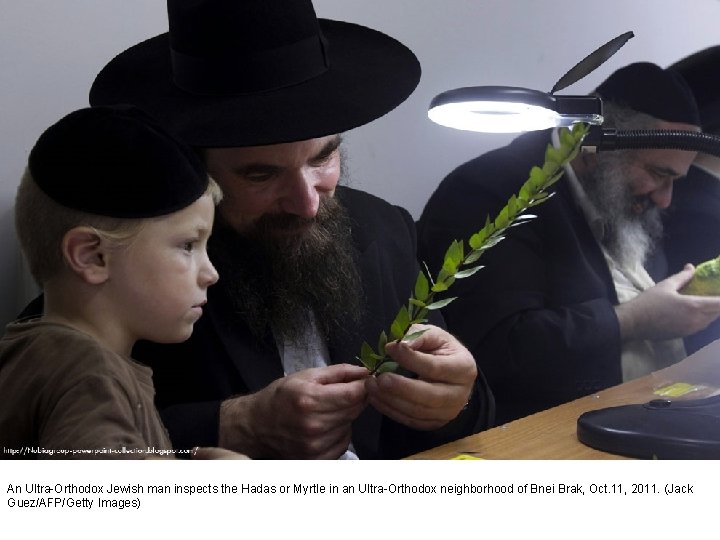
551, 434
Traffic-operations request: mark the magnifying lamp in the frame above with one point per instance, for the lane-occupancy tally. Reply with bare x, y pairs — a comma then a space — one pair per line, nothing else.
508, 109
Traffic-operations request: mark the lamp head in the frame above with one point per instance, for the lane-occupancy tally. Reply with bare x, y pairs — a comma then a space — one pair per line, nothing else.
508, 109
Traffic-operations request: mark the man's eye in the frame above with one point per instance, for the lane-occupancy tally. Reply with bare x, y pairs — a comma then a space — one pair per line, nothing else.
660, 175
258, 177
322, 160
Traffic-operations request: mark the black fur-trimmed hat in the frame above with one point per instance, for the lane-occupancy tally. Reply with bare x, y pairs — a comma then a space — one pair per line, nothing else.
647, 88
116, 161
702, 72
256, 72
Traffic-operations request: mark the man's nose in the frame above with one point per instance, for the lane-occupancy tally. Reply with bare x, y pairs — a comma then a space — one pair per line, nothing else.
662, 196
302, 197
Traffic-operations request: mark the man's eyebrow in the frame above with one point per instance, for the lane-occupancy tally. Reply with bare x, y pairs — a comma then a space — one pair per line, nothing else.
266, 168
328, 148
255, 168
663, 170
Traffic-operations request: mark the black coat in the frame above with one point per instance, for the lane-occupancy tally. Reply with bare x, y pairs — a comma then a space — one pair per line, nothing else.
222, 359
539, 317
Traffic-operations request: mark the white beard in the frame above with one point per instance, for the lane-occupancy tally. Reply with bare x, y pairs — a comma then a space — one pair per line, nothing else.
630, 245
629, 237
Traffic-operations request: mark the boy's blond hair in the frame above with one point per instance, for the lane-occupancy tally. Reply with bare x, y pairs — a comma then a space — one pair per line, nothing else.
41, 224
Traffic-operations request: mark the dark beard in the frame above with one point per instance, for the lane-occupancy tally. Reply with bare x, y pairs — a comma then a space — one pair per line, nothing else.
627, 236
287, 265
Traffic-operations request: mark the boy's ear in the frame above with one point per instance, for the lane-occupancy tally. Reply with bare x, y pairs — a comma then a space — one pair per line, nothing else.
86, 253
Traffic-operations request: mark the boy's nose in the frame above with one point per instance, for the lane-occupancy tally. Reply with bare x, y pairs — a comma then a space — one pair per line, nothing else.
209, 275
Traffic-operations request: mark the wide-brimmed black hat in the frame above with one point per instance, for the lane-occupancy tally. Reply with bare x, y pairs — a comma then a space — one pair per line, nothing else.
256, 72
647, 88
702, 72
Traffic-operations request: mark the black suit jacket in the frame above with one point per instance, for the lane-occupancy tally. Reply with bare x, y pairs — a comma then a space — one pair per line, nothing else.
222, 359
539, 317
692, 234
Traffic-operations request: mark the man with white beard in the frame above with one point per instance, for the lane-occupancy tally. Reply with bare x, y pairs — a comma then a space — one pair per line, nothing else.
565, 306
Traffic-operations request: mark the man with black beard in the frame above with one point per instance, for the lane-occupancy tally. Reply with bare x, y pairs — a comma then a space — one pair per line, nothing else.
309, 269
565, 305
276, 277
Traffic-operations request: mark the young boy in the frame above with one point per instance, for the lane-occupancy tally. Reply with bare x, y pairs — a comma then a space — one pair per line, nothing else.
113, 216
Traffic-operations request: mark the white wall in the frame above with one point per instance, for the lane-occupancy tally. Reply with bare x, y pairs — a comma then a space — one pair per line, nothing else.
51, 50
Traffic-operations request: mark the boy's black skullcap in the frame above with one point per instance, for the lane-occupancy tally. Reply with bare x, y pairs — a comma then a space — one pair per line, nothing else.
650, 89
116, 161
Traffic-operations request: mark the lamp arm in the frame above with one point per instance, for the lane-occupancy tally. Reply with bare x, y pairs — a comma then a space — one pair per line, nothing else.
610, 139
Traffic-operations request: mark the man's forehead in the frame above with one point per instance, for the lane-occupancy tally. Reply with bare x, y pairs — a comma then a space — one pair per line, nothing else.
671, 162
274, 154
662, 124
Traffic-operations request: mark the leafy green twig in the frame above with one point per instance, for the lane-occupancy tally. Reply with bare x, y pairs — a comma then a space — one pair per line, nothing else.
458, 264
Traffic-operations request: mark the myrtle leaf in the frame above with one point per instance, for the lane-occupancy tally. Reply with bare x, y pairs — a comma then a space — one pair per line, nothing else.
453, 258
493, 242
420, 316
441, 303
368, 356
476, 240
382, 341
552, 155
524, 193
443, 275
387, 367
502, 220
549, 168
422, 287
401, 323
414, 335
566, 138
537, 178
467, 272
512, 206
541, 198
455, 253
474, 256
440, 287
450, 266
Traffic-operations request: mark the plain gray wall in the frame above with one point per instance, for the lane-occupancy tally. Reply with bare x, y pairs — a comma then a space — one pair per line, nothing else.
50, 51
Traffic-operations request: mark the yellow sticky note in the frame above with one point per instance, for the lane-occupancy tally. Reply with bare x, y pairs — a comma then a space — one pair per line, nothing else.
466, 456
675, 389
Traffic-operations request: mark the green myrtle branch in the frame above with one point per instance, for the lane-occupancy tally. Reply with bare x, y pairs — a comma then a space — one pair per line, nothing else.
460, 263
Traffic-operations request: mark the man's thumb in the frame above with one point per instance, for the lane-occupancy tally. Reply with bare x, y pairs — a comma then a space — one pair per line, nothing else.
682, 278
